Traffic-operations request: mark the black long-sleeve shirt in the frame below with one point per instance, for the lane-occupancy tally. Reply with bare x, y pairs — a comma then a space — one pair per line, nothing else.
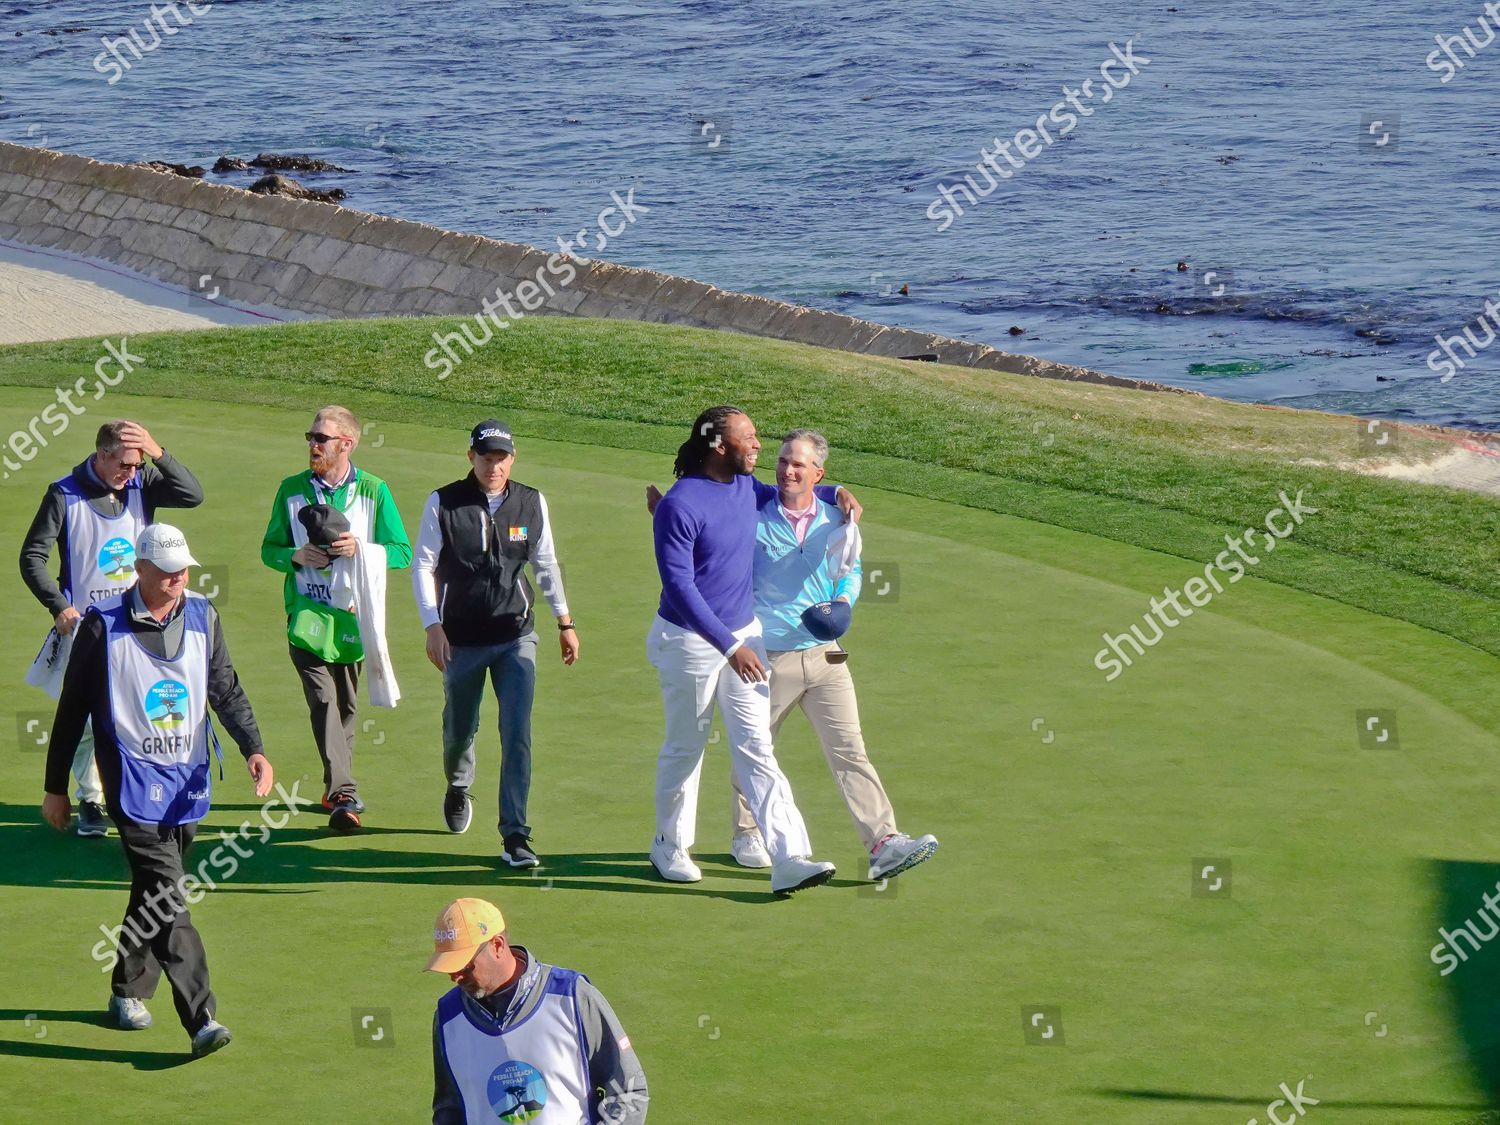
166, 483
85, 691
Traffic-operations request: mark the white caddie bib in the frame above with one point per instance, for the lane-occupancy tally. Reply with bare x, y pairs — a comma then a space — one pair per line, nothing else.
101, 549
531, 1072
159, 717
313, 582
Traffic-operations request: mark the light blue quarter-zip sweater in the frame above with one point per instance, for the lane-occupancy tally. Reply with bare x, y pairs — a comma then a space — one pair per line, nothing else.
791, 576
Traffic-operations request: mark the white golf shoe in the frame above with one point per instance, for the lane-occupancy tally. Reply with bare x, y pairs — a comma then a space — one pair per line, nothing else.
129, 1014
898, 852
749, 850
798, 873
673, 864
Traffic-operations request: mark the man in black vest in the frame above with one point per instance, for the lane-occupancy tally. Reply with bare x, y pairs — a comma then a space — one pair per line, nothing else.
477, 536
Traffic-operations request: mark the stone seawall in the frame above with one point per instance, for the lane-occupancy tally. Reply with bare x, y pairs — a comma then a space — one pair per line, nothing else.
333, 261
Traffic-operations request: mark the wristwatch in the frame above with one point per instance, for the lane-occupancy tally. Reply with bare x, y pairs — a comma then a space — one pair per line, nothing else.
564, 628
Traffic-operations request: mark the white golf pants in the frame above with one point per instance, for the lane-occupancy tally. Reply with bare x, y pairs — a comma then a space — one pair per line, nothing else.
693, 675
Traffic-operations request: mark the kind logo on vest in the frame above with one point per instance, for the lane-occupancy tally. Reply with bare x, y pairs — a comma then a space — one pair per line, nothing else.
517, 1091
117, 561
518, 535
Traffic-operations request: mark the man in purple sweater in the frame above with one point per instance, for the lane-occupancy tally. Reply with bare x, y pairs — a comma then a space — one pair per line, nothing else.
705, 644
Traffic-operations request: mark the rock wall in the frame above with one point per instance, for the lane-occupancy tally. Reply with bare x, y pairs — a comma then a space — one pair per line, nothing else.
333, 261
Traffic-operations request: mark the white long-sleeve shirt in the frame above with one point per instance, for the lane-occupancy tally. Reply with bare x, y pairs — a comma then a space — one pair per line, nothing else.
544, 565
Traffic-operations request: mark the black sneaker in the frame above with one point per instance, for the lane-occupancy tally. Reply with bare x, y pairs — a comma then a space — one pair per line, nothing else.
458, 809
345, 818
518, 851
92, 821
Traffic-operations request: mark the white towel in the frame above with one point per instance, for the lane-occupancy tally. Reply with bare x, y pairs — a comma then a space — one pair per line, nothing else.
843, 550
46, 671
359, 581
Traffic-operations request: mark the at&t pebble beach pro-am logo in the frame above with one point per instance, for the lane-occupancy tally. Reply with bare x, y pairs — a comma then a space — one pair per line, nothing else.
117, 560
166, 704
517, 1091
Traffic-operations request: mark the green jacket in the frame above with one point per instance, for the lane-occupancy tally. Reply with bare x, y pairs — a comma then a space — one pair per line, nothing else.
312, 623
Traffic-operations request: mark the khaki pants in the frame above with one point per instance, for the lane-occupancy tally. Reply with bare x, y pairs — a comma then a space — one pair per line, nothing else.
826, 694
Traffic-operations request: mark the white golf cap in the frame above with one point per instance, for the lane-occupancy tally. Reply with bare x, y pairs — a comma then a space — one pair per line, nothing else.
164, 547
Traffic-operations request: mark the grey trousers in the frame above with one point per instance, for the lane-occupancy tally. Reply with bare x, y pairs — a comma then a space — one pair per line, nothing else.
153, 939
332, 692
511, 668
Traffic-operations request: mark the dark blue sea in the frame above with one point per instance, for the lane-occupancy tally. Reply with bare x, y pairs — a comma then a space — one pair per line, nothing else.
1333, 199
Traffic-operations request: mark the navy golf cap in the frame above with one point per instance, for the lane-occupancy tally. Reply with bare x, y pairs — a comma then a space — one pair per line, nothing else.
828, 621
491, 436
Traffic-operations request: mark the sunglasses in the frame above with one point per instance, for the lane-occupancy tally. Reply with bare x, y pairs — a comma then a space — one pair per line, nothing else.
129, 467
314, 437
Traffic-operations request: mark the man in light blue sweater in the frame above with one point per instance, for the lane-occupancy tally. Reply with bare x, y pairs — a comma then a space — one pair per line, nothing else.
806, 581
706, 647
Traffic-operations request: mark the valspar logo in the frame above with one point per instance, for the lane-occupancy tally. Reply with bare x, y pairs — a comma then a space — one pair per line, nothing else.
444, 935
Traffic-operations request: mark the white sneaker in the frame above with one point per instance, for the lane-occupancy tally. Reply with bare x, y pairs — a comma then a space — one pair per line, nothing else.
673, 864
128, 1013
798, 873
211, 1037
898, 852
749, 850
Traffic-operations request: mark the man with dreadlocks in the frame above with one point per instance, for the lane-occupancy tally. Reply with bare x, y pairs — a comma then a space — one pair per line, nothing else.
705, 644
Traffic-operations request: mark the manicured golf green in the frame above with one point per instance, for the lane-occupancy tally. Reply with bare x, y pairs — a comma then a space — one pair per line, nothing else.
1075, 815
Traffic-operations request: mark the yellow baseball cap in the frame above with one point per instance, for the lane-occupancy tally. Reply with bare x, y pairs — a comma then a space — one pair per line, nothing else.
463, 926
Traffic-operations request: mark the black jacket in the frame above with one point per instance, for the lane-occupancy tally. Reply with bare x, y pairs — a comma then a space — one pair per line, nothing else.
85, 692
483, 594
166, 483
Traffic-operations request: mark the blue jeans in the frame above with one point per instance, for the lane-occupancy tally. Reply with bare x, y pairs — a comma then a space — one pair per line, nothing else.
512, 671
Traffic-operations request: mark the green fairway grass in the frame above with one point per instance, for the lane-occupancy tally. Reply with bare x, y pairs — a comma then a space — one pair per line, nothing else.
1066, 873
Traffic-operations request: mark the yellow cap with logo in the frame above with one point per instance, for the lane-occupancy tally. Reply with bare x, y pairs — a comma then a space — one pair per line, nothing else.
463, 926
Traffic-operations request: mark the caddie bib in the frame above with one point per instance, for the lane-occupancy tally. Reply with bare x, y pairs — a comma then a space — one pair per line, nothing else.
533, 1071
101, 549
317, 622
313, 582
158, 710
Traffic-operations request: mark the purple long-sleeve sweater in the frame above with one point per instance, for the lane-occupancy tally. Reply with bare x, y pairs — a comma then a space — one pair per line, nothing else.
705, 553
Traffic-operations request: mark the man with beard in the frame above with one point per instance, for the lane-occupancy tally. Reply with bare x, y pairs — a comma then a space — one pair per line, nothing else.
516, 1039
705, 644
324, 638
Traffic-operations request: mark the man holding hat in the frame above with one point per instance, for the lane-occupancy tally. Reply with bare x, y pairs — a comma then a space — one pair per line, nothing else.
477, 536
519, 1040
807, 579
324, 637
145, 668
94, 515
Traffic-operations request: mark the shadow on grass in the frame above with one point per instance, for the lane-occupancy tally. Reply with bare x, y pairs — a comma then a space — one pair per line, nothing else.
1470, 957
141, 1060
95, 1016
302, 855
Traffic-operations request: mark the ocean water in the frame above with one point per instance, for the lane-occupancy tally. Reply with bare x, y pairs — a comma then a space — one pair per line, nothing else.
1333, 200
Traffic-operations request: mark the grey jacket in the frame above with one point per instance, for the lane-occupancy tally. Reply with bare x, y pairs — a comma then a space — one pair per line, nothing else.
617, 1084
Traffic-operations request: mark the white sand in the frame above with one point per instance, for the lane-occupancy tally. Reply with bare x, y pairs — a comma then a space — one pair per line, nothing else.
48, 295
1463, 467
